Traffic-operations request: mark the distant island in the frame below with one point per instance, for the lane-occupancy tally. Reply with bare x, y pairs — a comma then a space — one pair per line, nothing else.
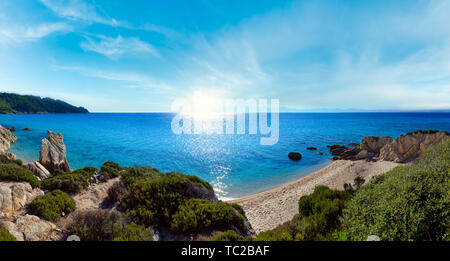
11, 103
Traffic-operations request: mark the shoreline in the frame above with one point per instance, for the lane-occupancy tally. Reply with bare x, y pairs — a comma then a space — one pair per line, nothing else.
268, 209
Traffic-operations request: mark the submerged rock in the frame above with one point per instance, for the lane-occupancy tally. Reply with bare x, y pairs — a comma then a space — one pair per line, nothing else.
311, 148
295, 156
410, 146
53, 153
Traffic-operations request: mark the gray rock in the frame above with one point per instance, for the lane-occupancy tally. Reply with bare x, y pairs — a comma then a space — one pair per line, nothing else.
53, 153
73, 238
14, 197
410, 146
35, 229
38, 170
6, 139
374, 143
373, 238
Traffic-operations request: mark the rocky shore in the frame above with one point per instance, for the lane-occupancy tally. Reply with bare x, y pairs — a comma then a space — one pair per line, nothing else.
372, 157
260, 212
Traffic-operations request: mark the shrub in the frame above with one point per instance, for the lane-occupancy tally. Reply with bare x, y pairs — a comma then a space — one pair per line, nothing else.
133, 174
198, 214
318, 217
69, 182
109, 170
359, 181
87, 172
16, 173
322, 209
155, 200
229, 235
105, 225
4, 234
407, 203
52, 205
5, 160
117, 192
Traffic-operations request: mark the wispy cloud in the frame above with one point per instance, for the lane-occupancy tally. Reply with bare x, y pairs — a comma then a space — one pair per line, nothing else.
130, 79
115, 48
79, 10
26, 34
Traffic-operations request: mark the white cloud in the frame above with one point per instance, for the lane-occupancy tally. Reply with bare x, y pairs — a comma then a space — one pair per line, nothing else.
115, 48
27, 34
130, 79
78, 10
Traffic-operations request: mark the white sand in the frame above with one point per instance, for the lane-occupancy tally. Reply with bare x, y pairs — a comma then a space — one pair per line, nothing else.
273, 207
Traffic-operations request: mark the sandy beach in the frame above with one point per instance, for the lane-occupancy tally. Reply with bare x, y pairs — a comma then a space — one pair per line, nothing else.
270, 208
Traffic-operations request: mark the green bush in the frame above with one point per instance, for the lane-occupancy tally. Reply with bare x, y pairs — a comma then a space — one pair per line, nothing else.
69, 182
133, 174
318, 217
198, 214
105, 225
109, 170
407, 203
229, 236
116, 193
4, 160
155, 200
87, 172
52, 205
4, 234
13, 172
321, 211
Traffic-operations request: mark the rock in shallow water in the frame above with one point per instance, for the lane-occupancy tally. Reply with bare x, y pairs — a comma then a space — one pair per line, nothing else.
53, 153
295, 156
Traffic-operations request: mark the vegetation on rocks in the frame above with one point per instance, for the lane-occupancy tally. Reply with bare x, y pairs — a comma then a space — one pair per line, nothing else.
13, 172
68, 182
318, 217
181, 203
53, 205
109, 170
407, 203
197, 214
228, 236
4, 234
106, 225
5, 160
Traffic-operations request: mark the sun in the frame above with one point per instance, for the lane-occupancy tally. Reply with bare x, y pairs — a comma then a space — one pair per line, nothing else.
205, 105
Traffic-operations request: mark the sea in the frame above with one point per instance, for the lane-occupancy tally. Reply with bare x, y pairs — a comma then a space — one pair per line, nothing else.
236, 165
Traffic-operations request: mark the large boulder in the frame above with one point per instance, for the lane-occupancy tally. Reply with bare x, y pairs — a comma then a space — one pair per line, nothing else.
32, 228
374, 144
15, 196
6, 139
410, 146
38, 170
53, 153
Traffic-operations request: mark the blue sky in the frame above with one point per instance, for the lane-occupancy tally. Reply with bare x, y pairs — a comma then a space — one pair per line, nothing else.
138, 56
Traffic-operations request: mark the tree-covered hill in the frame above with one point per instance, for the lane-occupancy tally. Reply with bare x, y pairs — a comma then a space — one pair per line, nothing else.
15, 103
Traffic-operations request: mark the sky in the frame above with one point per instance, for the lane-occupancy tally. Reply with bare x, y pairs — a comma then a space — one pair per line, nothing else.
139, 56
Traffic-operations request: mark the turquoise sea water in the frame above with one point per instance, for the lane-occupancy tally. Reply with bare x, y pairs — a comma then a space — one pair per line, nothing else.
236, 165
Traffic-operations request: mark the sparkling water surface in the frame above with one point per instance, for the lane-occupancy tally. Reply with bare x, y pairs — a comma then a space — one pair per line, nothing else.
236, 165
